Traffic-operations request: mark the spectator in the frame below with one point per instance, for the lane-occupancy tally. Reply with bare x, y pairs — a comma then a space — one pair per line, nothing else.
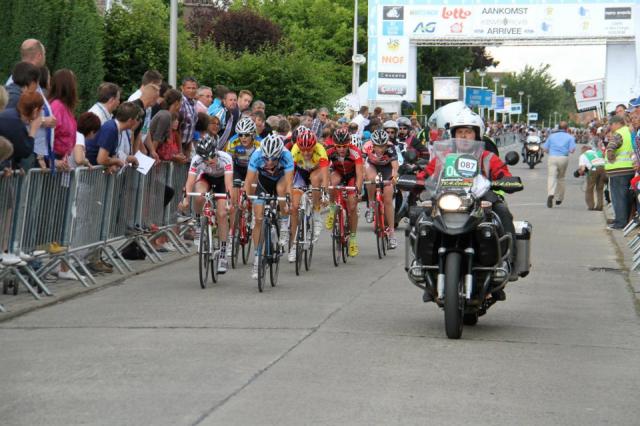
283, 128
258, 106
188, 115
4, 98
149, 77
88, 126
362, 119
591, 163
15, 121
64, 98
262, 130
108, 101
103, 148
205, 99
163, 90
162, 137
147, 100
559, 145
25, 76
214, 125
228, 116
620, 170
6, 149
620, 110
216, 105
244, 101
320, 122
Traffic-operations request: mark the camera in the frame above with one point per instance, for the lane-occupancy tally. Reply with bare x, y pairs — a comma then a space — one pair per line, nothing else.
577, 173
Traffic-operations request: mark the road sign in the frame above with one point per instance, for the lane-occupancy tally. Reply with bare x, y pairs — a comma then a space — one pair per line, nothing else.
516, 108
425, 97
476, 96
533, 116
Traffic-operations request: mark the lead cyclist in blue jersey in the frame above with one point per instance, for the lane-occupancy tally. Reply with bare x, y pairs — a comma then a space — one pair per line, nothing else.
271, 167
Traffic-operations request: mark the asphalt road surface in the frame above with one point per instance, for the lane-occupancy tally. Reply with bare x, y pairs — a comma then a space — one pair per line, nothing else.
347, 345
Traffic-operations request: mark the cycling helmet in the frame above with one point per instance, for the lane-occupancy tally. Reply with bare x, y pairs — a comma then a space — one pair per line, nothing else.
341, 137
467, 118
299, 130
245, 126
404, 122
306, 140
390, 124
207, 147
379, 137
366, 135
356, 140
272, 146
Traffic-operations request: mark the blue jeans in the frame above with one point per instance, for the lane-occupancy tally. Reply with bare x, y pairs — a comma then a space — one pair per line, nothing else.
621, 198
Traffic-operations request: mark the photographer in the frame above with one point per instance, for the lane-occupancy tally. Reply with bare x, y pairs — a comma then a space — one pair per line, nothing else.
591, 163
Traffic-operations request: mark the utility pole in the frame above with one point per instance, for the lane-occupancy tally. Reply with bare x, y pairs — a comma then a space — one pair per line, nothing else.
495, 92
520, 93
173, 43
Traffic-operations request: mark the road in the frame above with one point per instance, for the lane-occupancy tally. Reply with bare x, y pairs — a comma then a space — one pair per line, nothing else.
352, 345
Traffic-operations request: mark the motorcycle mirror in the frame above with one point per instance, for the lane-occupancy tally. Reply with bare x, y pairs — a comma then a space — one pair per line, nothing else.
512, 158
410, 156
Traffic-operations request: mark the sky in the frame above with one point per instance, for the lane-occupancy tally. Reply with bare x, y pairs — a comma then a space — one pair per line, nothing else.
577, 63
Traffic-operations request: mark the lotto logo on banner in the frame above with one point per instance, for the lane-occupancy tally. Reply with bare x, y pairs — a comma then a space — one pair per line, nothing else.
590, 91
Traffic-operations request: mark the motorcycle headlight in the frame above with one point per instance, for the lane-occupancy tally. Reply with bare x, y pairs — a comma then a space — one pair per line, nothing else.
450, 202
534, 147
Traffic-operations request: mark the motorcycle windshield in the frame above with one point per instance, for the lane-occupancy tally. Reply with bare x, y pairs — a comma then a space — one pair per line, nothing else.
458, 167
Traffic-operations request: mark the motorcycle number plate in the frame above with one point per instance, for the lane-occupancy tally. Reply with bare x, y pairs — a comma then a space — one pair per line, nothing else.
460, 166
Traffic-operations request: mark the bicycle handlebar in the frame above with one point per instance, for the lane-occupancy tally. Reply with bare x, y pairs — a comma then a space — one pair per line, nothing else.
341, 187
266, 197
216, 195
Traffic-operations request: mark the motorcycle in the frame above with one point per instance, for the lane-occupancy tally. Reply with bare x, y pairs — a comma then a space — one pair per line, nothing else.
532, 151
456, 249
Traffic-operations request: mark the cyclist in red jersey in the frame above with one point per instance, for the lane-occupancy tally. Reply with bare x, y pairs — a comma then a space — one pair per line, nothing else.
347, 168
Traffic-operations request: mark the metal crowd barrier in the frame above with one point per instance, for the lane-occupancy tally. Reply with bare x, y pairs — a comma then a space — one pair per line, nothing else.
67, 218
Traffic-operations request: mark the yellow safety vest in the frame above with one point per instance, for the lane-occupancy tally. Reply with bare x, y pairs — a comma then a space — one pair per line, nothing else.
624, 153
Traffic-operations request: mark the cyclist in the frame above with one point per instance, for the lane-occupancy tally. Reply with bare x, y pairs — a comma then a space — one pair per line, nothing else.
241, 148
383, 158
347, 167
211, 170
271, 167
312, 169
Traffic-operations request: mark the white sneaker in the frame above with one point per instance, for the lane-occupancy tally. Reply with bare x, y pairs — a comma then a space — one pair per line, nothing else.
292, 254
393, 243
368, 215
169, 246
67, 275
254, 271
317, 225
229, 247
222, 265
284, 237
196, 238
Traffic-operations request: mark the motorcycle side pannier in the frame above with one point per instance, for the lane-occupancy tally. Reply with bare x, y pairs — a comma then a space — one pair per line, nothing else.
523, 244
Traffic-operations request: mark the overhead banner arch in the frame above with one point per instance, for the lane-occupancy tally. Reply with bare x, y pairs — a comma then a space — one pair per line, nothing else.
397, 28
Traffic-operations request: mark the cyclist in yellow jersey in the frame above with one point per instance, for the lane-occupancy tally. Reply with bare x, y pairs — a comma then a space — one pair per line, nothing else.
312, 169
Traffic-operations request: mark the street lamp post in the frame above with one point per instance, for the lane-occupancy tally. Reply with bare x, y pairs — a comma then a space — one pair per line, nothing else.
520, 93
173, 43
495, 93
355, 75
528, 100
481, 108
504, 87
464, 85
555, 118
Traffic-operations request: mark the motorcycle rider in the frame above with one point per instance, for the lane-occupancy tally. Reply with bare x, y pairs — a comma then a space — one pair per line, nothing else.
468, 125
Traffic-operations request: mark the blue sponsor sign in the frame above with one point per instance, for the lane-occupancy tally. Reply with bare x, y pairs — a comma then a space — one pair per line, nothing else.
476, 97
499, 103
393, 28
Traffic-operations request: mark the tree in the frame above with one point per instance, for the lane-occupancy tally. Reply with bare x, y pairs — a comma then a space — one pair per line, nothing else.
81, 49
200, 22
137, 40
256, 31
286, 79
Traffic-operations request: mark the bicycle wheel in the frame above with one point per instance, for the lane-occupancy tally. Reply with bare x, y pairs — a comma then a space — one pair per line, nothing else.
336, 237
344, 217
308, 253
377, 230
246, 238
262, 255
299, 243
235, 238
274, 262
383, 230
204, 254
215, 257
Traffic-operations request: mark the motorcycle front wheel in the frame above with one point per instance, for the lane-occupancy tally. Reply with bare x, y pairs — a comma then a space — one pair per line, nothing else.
453, 296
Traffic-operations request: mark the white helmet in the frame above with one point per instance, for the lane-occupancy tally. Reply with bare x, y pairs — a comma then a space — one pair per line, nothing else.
245, 126
404, 122
390, 124
441, 117
272, 146
467, 118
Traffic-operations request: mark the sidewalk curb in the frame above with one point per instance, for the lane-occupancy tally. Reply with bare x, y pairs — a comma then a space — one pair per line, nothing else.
82, 291
624, 257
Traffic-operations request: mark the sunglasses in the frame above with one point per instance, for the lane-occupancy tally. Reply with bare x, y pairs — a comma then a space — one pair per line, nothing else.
271, 159
244, 135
